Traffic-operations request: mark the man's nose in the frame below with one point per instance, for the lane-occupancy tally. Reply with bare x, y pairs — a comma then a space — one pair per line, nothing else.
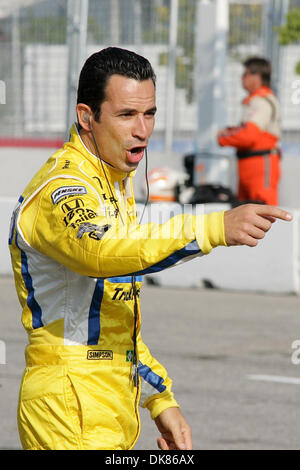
140, 129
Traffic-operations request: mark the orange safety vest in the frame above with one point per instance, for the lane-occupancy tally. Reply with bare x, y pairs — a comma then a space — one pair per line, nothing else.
256, 141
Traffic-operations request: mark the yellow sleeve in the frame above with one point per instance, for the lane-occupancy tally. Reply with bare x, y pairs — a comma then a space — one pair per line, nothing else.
76, 231
156, 386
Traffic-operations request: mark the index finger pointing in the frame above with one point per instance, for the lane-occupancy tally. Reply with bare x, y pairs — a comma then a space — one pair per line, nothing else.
272, 211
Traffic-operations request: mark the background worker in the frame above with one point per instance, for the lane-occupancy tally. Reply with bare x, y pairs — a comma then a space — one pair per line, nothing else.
78, 255
256, 139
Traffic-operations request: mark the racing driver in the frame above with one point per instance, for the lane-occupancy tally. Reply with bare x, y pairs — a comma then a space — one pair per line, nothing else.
78, 256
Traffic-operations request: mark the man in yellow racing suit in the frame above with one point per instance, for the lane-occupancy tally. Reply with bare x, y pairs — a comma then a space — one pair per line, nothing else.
78, 256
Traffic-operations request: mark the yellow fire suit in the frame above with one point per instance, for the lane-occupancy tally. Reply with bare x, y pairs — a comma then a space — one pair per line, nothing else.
75, 244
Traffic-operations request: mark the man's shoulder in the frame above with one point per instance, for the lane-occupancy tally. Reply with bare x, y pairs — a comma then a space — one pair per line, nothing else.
68, 162
63, 169
266, 104
263, 104
263, 95
260, 100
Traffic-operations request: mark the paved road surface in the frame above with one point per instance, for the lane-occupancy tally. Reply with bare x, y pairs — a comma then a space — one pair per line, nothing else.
228, 353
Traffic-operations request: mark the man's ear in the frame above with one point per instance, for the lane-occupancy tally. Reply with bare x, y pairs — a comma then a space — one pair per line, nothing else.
84, 115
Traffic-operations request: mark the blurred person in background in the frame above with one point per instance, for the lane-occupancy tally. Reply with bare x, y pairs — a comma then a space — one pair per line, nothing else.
78, 256
256, 139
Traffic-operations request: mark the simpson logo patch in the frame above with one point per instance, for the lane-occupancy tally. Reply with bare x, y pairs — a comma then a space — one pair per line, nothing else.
99, 355
67, 191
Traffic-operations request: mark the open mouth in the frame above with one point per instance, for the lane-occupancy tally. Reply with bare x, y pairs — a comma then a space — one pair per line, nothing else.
135, 154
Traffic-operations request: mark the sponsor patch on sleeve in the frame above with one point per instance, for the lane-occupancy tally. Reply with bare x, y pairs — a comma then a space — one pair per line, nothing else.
67, 191
94, 231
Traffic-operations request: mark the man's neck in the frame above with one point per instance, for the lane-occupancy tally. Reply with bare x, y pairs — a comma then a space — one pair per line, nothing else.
87, 139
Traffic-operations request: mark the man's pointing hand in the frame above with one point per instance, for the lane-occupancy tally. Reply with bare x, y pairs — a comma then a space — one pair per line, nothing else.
247, 224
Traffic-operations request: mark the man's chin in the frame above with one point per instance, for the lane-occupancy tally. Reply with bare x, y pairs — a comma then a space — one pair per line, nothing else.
125, 167
130, 166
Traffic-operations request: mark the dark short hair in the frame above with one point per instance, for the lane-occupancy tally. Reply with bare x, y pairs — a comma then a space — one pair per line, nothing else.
261, 66
100, 66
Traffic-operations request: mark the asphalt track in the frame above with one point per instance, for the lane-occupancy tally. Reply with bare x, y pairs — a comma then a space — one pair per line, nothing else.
229, 354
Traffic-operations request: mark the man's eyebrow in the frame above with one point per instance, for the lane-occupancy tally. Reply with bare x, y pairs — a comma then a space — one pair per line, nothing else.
134, 110
152, 110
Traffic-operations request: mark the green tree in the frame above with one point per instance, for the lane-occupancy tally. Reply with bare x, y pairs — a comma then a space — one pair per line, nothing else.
289, 33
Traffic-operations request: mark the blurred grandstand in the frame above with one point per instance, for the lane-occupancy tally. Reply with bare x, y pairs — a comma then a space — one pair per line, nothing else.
37, 75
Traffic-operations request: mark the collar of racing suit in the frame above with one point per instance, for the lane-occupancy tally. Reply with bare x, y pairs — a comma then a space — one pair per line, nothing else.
76, 141
262, 91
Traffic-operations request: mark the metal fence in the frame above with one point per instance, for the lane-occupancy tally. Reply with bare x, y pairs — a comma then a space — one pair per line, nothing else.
34, 60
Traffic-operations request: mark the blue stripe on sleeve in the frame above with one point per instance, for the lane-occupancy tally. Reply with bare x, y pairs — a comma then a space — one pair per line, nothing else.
124, 279
12, 231
31, 301
153, 379
13, 221
189, 250
94, 313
